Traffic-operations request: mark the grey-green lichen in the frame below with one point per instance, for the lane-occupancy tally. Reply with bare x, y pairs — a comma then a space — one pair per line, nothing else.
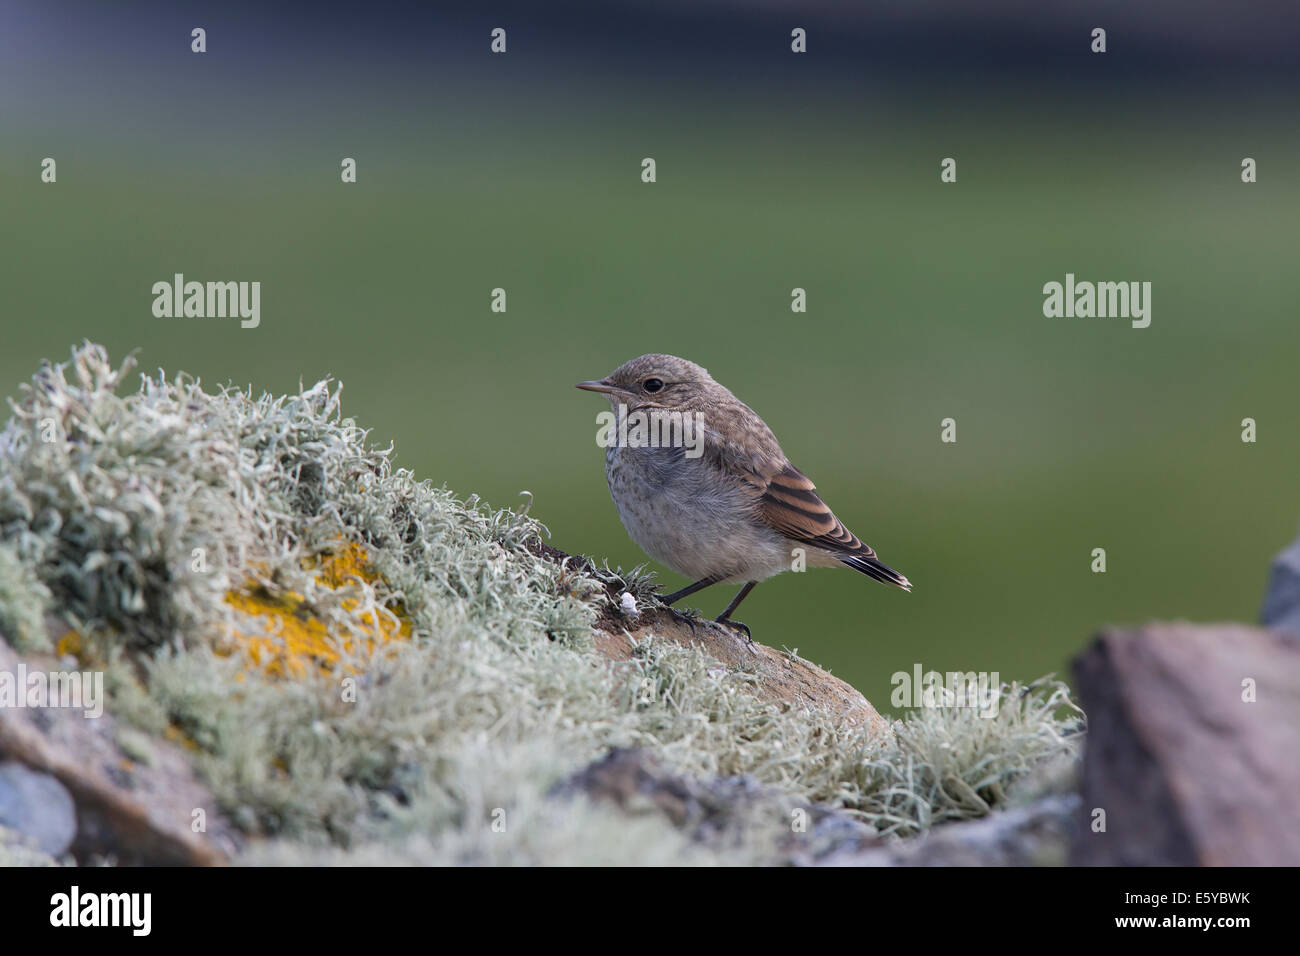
16, 850
23, 600
135, 517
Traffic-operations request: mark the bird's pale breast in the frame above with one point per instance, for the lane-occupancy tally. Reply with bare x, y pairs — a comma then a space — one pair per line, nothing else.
685, 513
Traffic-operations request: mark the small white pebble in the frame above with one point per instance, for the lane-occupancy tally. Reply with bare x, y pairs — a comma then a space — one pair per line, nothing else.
717, 673
627, 605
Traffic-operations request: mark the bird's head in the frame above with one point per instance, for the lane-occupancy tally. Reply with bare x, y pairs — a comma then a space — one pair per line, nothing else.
656, 381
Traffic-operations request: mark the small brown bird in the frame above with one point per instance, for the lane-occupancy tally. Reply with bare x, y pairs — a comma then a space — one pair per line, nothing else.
720, 505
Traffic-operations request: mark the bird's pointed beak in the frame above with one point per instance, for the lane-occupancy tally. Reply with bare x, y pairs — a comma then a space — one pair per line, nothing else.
600, 386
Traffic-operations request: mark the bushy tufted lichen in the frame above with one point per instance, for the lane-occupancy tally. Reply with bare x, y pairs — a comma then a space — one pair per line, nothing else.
369, 669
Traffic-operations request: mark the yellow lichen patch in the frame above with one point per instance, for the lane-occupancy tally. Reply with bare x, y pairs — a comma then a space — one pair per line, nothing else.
351, 561
69, 643
181, 738
296, 639
90, 650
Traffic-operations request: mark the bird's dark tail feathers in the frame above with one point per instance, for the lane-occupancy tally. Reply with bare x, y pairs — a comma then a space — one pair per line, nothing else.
874, 569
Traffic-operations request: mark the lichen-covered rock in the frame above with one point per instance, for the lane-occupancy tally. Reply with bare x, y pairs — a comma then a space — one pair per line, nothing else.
1032, 834
721, 810
129, 807
357, 665
777, 676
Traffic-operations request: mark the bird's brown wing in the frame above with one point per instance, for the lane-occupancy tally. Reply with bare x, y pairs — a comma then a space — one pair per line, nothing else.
790, 504
784, 498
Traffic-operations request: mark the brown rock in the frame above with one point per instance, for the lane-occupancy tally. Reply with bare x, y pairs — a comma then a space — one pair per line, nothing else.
1187, 772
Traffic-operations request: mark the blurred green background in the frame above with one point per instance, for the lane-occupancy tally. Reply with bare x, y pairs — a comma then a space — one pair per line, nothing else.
924, 302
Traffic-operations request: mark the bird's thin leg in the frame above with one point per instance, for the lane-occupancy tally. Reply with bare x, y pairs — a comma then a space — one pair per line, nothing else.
725, 616
687, 591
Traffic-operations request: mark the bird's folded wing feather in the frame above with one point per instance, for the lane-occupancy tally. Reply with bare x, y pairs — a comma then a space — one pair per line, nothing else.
790, 504
784, 497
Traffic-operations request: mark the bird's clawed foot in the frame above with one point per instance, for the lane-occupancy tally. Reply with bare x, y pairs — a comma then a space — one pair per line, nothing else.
689, 616
723, 619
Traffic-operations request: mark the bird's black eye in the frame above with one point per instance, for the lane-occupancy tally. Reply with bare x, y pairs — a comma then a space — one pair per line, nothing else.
653, 384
